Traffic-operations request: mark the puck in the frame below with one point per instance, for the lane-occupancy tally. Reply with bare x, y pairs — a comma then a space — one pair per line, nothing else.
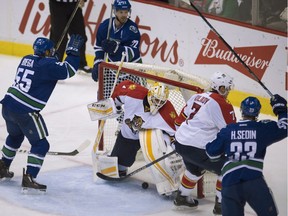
145, 185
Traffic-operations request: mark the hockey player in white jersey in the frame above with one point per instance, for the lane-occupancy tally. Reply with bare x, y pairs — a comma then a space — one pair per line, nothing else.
148, 124
35, 80
199, 122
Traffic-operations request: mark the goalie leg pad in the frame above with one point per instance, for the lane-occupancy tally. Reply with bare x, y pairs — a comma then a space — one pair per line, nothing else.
107, 165
165, 175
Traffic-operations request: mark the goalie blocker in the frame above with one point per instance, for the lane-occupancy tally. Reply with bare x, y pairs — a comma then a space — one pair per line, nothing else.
154, 144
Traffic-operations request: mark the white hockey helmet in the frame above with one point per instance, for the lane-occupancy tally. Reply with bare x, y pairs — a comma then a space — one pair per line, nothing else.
157, 96
219, 79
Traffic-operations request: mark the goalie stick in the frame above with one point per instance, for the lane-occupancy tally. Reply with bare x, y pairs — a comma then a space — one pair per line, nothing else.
84, 145
108, 178
232, 50
102, 122
108, 32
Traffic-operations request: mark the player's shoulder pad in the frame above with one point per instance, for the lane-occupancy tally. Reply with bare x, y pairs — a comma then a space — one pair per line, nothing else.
264, 121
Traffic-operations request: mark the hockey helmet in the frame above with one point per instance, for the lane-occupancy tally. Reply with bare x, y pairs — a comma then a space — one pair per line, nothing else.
122, 5
42, 45
157, 96
250, 107
221, 79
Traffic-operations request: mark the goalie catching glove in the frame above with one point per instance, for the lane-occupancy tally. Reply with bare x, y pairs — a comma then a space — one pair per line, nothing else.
103, 109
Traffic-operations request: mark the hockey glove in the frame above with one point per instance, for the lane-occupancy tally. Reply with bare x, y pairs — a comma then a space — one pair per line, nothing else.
95, 72
74, 45
110, 46
279, 104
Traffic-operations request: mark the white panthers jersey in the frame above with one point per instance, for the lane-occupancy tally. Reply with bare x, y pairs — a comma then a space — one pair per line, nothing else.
202, 118
137, 111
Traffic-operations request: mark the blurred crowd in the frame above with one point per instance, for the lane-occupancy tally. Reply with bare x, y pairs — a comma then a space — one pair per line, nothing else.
265, 13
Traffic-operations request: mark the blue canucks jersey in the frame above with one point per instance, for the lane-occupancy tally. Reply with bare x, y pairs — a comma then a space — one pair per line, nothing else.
35, 80
128, 36
244, 143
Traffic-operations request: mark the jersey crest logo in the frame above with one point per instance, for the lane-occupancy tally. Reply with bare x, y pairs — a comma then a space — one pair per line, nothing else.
132, 87
133, 29
136, 124
172, 115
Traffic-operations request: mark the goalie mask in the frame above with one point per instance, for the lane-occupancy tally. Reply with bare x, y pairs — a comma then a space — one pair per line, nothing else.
157, 96
220, 79
43, 47
250, 107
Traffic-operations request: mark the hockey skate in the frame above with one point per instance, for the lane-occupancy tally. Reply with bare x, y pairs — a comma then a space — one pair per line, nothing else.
28, 184
4, 171
183, 202
217, 207
122, 173
85, 70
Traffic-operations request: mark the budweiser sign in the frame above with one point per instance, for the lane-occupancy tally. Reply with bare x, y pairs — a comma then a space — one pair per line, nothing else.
257, 58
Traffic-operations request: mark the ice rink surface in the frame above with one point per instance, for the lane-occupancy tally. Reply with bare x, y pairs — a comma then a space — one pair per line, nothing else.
71, 190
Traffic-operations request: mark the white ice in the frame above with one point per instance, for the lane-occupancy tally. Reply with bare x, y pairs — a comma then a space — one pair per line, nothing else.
71, 190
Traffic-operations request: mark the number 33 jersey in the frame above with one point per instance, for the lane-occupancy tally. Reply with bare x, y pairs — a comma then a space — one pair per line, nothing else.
244, 144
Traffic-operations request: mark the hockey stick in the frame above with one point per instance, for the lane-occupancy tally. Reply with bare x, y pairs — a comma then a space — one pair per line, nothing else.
102, 122
108, 32
108, 178
67, 25
232, 50
84, 145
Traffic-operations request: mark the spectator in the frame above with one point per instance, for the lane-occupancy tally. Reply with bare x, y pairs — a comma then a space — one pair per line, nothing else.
274, 15
61, 11
245, 10
225, 8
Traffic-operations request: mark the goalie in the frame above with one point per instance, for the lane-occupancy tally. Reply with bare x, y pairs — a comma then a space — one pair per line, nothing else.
148, 124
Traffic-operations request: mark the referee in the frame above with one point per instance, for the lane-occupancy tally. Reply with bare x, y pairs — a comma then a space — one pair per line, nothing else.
61, 11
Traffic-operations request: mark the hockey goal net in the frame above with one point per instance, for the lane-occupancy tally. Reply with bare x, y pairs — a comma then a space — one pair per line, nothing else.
181, 87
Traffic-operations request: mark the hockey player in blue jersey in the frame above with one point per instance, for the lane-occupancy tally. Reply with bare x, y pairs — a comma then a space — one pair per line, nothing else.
244, 143
35, 80
124, 36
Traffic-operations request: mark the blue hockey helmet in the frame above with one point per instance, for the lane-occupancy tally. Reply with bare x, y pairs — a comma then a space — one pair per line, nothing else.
250, 107
42, 45
122, 5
